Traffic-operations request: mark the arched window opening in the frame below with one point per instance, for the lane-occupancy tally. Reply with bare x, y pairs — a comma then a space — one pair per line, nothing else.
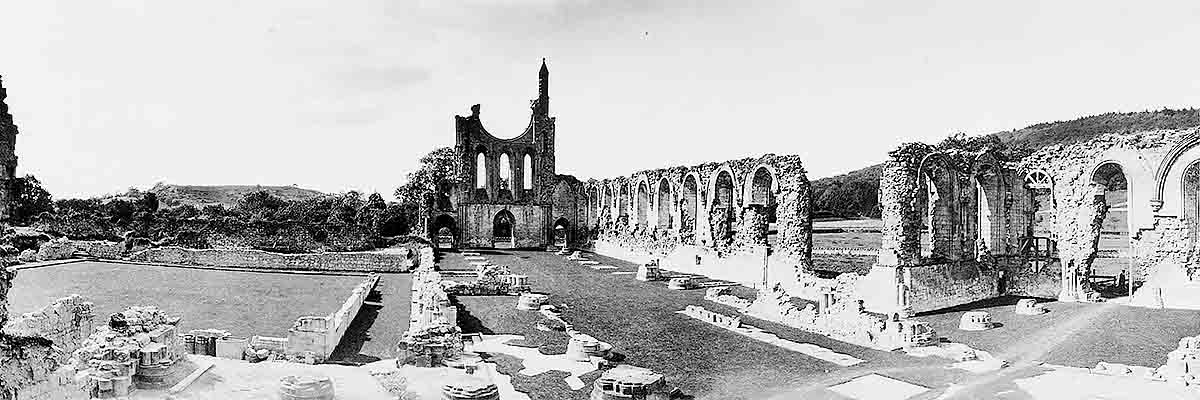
527, 180
504, 191
723, 198
643, 204
762, 193
1039, 245
984, 215
927, 201
480, 171
721, 216
1191, 199
1111, 202
688, 205
664, 204
623, 201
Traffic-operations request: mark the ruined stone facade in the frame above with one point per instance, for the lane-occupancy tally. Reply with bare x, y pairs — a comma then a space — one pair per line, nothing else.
960, 226
509, 195
714, 218
8, 157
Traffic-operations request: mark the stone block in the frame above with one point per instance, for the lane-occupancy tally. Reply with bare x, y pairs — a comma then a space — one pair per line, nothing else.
1029, 307
310, 387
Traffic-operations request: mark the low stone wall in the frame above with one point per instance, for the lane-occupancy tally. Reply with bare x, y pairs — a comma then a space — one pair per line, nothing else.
851, 251
319, 335
257, 259
1036, 278
745, 266
57, 249
838, 317
938, 286
101, 249
433, 336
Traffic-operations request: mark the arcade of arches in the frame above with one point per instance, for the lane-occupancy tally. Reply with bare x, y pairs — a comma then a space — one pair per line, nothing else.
1114, 216
744, 220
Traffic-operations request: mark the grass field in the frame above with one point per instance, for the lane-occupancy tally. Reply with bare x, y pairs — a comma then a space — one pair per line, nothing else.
244, 303
858, 240
374, 333
639, 319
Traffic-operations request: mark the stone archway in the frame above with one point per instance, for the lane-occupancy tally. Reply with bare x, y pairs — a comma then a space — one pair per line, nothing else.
444, 229
1110, 229
562, 232
663, 204
502, 230
643, 204
1190, 189
721, 213
689, 203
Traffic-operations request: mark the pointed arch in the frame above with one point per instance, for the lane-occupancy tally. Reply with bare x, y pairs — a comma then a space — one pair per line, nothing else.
527, 172
502, 229
689, 202
643, 202
663, 203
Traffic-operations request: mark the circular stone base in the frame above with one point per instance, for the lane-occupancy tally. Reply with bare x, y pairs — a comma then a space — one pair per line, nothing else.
975, 321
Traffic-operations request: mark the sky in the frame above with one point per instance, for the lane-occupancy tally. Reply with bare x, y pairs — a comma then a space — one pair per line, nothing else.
347, 95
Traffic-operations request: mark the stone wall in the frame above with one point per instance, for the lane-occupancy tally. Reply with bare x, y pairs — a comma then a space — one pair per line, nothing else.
719, 211
101, 249
24, 361
67, 322
529, 226
943, 205
433, 336
257, 259
57, 249
319, 335
938, 286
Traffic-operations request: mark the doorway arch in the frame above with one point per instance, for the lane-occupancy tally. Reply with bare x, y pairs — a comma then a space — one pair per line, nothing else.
562, 232
502, 230
444, 231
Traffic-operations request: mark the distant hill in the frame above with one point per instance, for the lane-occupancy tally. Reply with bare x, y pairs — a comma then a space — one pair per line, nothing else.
855, 194
226, 195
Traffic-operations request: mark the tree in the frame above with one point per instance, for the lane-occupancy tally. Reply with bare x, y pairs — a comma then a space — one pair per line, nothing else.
344, 208
31, 199
438, 169
259, 205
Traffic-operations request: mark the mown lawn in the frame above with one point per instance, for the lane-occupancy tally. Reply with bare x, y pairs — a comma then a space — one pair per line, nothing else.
639, 319
243, 303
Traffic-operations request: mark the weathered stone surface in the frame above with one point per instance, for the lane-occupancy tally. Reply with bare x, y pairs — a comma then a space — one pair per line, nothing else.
257, 259
67, 322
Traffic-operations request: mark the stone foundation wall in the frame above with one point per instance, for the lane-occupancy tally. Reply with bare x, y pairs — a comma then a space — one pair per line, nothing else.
938, 286
67, 322
104, 250
529, 225
319, 335
24, 360
1031, 276
745, 265
257, 259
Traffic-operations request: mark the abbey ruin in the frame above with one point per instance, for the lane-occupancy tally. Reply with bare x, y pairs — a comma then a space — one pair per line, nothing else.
512, 262
510, 196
